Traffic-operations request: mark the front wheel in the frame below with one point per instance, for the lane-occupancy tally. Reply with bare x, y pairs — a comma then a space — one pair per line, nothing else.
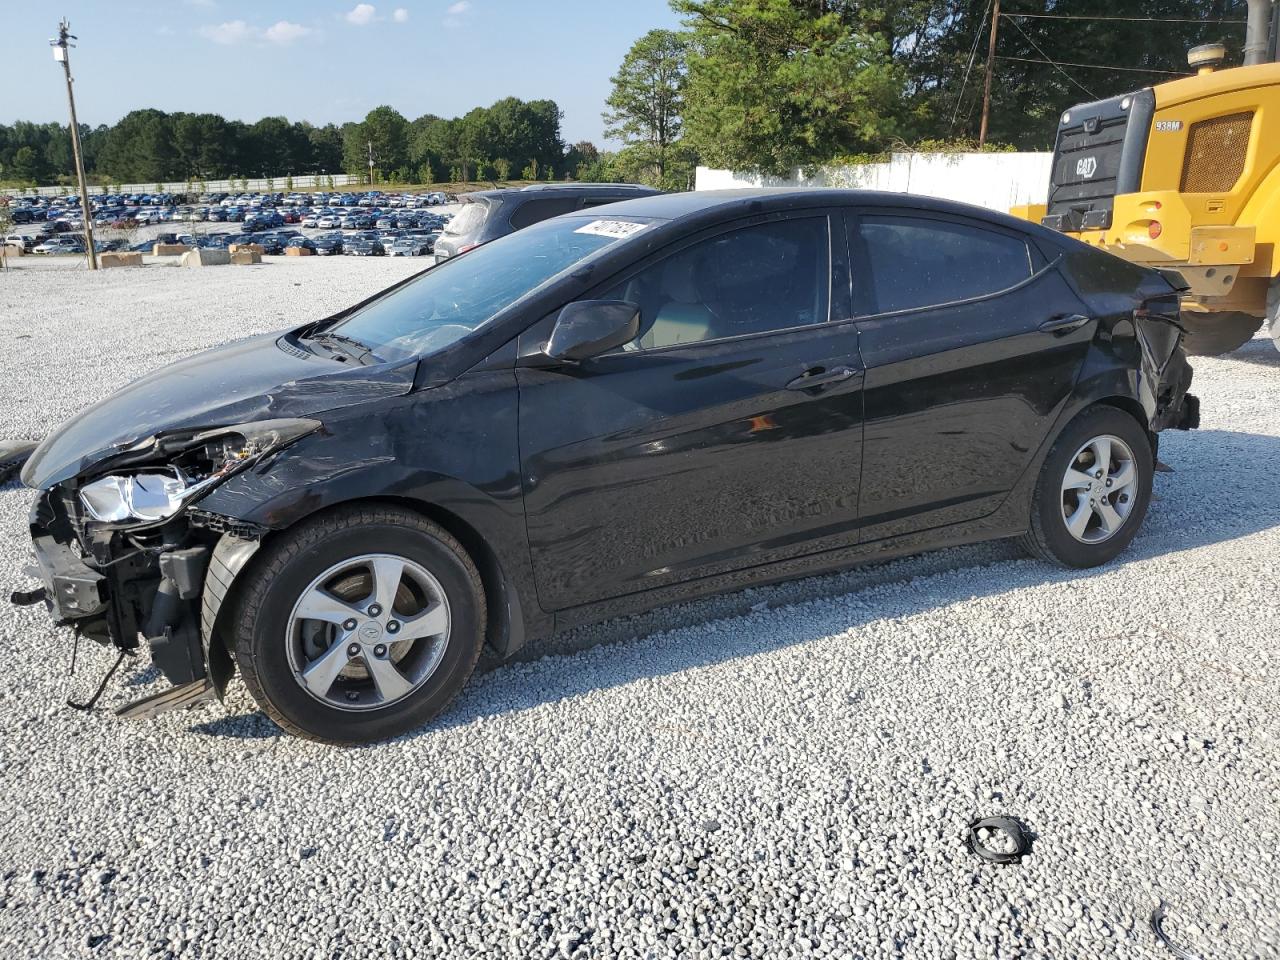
359, 625
1093, 490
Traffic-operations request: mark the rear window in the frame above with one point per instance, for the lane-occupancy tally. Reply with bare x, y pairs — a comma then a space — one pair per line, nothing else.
917, 262
535, 211
469, 219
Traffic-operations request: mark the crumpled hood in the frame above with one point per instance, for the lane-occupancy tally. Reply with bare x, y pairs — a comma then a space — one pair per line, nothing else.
260, 378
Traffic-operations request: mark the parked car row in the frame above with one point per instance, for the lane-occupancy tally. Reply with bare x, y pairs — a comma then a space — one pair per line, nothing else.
108, 209
411, 242
415, 242
71, 243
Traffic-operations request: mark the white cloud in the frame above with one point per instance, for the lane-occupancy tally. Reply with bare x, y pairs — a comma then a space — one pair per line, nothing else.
200, 3
284, 32
401, 15
233, 31
462, 6
362, 14
281, 33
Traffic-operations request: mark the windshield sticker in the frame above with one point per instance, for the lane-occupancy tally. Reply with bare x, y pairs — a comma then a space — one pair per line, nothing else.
618, 229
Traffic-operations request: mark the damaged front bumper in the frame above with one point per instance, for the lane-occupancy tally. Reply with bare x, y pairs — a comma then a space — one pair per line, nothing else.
164, 588
126, 557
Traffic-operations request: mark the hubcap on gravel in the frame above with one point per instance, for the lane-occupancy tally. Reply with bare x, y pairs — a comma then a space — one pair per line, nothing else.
368, 632
1098, 489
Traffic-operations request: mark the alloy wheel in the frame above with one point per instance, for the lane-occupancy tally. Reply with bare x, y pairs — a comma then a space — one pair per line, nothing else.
368, 632
1098, 489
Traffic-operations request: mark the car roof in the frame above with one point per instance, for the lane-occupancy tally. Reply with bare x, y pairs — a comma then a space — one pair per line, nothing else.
561, 189
724, 204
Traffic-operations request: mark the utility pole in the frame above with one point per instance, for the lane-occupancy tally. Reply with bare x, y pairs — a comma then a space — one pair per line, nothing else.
1257, 30
370, 142
61, 47
991, 62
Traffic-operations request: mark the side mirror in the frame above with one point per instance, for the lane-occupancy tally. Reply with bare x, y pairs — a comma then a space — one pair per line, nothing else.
590, 327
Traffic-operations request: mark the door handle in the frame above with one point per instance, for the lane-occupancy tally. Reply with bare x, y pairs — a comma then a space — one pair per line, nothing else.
819, 377
1064, 323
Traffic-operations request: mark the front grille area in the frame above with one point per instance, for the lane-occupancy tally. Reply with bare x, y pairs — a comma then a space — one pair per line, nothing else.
1216, 151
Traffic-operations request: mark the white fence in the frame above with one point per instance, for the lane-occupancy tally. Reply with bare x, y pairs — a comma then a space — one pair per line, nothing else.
305, 181
994, 180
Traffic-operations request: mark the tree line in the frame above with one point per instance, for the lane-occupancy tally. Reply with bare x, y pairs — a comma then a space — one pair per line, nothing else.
771, 85
148, 146
765, 85
511, 138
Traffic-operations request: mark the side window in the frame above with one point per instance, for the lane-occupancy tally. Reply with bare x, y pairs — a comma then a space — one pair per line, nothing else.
916, 262
535, 211
767, 277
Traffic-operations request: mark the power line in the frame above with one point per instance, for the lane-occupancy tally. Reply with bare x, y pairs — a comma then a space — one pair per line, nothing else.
1070, 16
1094, 66
973, 53
1050, 60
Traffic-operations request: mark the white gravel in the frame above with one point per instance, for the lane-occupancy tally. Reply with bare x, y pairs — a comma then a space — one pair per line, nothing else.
786, 772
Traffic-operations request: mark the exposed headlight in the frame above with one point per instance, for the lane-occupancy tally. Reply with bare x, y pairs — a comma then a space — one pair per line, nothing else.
175, 470
144, 496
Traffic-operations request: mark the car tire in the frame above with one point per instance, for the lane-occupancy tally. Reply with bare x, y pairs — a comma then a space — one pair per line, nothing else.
1081, 517
1273, 312
1216, 334
318, 653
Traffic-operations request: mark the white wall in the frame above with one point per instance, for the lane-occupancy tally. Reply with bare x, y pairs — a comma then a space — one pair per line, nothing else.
255, 185
995, 180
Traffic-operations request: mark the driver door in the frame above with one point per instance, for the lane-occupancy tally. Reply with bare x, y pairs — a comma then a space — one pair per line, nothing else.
727, 436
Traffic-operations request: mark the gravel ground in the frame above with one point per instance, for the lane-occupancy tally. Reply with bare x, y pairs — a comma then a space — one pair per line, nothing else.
785, 772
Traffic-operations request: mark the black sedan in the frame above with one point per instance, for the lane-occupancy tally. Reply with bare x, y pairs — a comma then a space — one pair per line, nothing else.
614, 409
363, 247
271, 243
328, 245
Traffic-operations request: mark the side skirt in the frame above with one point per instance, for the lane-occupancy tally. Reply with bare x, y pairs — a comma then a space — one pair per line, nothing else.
997, 526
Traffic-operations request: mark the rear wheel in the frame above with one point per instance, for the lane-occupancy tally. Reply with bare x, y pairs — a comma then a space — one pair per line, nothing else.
1093, 490
1213, 334
1273, 312
359, 625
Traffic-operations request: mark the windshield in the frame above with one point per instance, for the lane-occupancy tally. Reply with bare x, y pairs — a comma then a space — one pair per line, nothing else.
468, 218
449, 301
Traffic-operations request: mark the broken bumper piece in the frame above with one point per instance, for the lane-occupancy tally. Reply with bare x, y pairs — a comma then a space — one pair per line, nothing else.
175, 698
121, 590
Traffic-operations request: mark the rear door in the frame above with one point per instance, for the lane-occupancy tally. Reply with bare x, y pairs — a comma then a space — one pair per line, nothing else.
726, 436
972, 343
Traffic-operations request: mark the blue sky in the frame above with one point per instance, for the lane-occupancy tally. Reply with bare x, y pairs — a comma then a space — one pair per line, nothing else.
321, 60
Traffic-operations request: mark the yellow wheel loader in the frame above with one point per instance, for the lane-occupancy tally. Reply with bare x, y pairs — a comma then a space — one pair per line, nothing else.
1185, 175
